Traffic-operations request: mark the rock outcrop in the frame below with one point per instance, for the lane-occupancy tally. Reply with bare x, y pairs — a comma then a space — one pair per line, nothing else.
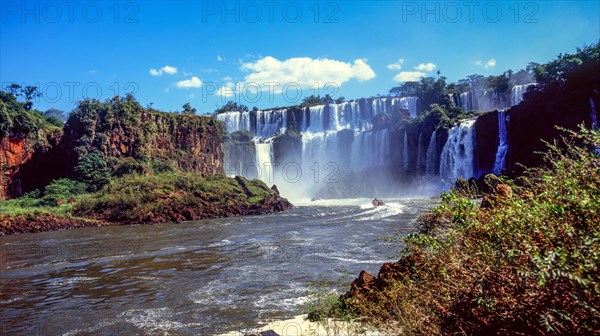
193, 143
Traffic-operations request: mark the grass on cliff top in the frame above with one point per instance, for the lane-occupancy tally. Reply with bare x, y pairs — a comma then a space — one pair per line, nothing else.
136, 198
526, 262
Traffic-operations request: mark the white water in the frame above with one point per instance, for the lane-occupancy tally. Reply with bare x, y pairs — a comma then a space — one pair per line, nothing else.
431, 155
419, 150
517, 91
457, 156
593, 114
499, 163
264, 160
465, 101
370, 149
405, 152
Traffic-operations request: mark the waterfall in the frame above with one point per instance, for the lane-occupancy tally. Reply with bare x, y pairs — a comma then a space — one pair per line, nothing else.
407, 103
464, 101
516, 93
319, 127
419, 153
264, 161
593, 114
502, 143
457, 156
405, 153
235, 121
370, 149
431, 155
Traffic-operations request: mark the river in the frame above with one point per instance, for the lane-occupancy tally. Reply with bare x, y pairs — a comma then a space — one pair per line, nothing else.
202, 277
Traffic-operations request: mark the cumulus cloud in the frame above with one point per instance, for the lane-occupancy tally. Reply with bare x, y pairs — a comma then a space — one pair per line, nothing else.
425, 67
305, 71
220, 58
489, 64
227, 90
397, 65
193, 82
167, 69
409, 76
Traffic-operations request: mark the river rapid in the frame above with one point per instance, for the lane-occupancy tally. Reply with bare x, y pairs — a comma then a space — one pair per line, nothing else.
204, 277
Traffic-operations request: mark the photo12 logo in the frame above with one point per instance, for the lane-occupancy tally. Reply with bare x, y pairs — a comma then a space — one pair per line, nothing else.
468, 11
69, 11
269, 11
53, 92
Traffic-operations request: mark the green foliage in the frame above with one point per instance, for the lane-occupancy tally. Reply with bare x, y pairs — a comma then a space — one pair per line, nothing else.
312, 100
61, 191
188, 109
519, 264
18, 119
163, 197
231, 106
58, 199
93, 170
499, 83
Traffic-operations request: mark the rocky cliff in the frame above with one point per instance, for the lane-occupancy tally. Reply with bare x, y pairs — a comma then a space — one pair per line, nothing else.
123, 129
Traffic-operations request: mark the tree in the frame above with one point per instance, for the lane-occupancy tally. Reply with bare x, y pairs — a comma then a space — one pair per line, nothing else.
312, 100
231, 106
188, 109
93, 170
340, 100
327, 99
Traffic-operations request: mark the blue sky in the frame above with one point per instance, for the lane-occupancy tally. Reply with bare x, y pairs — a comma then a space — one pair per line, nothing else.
272, 53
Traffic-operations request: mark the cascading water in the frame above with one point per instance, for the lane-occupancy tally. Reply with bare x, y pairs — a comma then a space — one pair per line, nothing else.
593, 114
516, 93
370, 149
405, 153
264, 161
407, 103
431, 155
419, 153
457, 156
464, 101
502, 143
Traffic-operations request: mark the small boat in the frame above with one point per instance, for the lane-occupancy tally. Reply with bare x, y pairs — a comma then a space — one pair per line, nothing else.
377, 202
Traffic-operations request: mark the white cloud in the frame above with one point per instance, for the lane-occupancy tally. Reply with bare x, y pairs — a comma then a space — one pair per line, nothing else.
169, 70
193, 82
409, 76
305, 71
489, 64
397, 65
219, 58
229, 79
425, 67
227, 90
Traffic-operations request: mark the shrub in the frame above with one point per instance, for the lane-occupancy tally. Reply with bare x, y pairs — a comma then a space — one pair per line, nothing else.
62, 191
93, 170
522, 264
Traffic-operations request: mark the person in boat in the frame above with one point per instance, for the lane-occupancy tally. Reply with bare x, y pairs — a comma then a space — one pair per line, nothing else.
377, 202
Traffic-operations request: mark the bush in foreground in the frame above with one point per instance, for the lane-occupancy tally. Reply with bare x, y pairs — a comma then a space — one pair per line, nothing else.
524, 262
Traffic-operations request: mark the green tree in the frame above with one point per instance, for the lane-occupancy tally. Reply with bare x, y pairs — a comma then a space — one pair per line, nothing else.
188, 109
231, 106
93, 170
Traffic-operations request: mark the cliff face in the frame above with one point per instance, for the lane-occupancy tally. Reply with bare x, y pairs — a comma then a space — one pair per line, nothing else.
14, 152
191, 143
486, 143
185, 142
26, 164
